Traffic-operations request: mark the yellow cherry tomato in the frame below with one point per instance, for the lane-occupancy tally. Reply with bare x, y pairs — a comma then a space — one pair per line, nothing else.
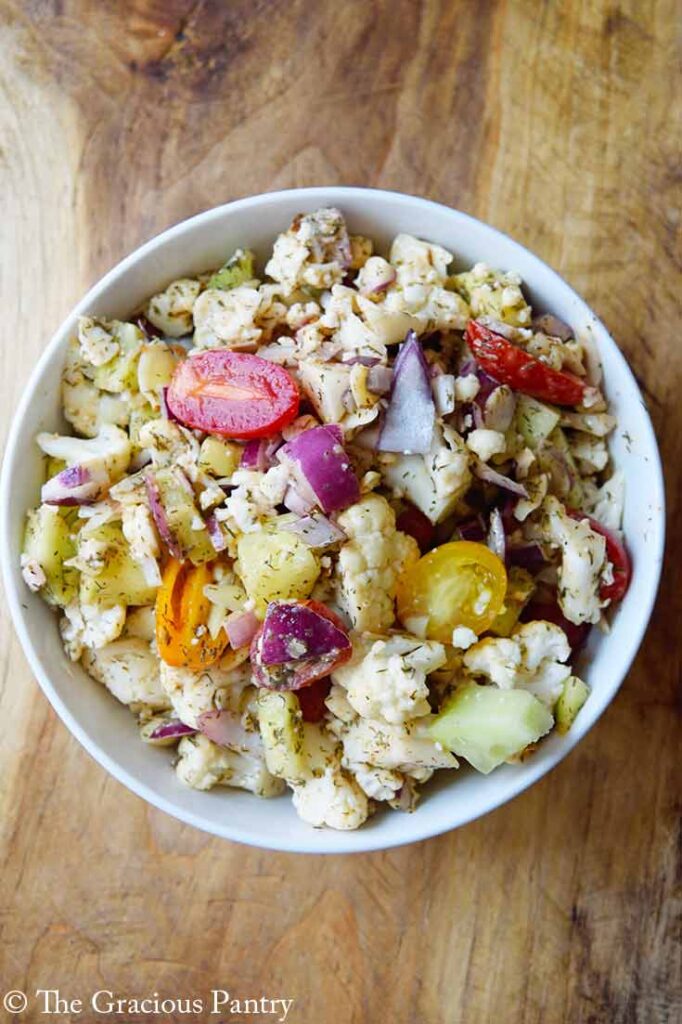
182, 609
457, 584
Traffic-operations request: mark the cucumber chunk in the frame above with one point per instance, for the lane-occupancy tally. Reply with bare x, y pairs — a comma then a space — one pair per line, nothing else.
574, 695
183, 516
219, 458
48, 542
520, 586
281, 729
120, 373
237, 271
115, 578
488, 726
535, 421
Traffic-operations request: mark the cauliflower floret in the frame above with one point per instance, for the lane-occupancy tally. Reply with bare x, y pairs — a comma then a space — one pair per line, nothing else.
583, 561
375, 277
486, 443
227, 319
419, 262
606, 505
389, 680
254, 497
106, 455
406, 748
138, 529
494, 293
171, 310
531, 659
591, 453
215, 686
377, 783
434, 482
333, 799
97, 340
314, 251
371, 561
463, 637
170, 445
467, 387
88, 409
87, 625
202, 765
130, 671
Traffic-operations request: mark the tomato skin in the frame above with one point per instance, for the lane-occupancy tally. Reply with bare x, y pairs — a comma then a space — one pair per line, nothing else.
511, 365
446, 585
181, 609
617, 555
233, 394
312, 699
415, 524
304, 672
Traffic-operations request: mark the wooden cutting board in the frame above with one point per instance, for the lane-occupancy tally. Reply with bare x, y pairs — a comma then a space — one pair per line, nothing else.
556, 122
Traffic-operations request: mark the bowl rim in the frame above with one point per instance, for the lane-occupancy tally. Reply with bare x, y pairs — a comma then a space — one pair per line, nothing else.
368, 840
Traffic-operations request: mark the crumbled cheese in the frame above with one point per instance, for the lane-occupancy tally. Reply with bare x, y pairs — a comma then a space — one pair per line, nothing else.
463, 637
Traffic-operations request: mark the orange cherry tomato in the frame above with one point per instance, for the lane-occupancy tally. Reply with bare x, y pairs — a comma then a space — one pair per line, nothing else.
461, 583
182, 609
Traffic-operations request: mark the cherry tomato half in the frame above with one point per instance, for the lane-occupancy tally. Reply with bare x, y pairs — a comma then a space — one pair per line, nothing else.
457, 584
297, 673
510, 364
182, 611
617, 556
312, 699
234, 394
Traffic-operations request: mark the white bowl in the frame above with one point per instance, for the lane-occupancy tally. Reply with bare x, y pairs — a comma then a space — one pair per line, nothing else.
107, 729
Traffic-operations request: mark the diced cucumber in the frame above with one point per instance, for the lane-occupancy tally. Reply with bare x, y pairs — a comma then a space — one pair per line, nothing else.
120, 579
488, 726
219, 458
183, 516
570, 702
535, 421
281, 729
139, 415
556, 459
48, 542
120, 373
276, 566
520, 586
238, 270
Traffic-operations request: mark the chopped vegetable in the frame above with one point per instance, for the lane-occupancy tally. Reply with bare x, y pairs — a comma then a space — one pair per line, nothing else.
488, 726
238, 270
298, 643
182, 611
234, 394
411, 414
617, 556
321, 467
275, 565
574, 695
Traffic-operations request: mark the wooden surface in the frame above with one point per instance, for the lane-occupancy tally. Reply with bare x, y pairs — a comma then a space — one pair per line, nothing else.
554, 121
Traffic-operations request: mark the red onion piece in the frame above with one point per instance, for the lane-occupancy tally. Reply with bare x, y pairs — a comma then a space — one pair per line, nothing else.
171, 729
166, 410
241, 627
316, 530
253, 455
411, 414
379, 379
549, 324
527, 556
296, 632
484, 472
319, 461
160, 518
296, 502
496, 539
471, 529
216, 533
225, 729
362, 360
76, 485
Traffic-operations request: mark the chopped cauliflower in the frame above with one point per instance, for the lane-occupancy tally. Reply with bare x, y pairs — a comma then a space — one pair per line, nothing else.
371, 561
583, 561
86, 625
203, 764
139, 530
419, 262
108, 454
389, 681
97, 340
406, 747
486, 443
334, 799
494, 293
227, 319
532, 659
463, 637
191, 693
315, 252
171, 310
130, 670
434, 482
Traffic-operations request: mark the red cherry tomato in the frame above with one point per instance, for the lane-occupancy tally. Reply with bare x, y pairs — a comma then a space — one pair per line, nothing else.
617, 556
299, 672
549, 611
415, 524
311, 699
234, 394
511, 365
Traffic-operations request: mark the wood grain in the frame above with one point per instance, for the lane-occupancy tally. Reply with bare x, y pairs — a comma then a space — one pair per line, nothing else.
558, 122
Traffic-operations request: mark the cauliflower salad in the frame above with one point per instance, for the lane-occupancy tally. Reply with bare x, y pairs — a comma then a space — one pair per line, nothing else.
333, 523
